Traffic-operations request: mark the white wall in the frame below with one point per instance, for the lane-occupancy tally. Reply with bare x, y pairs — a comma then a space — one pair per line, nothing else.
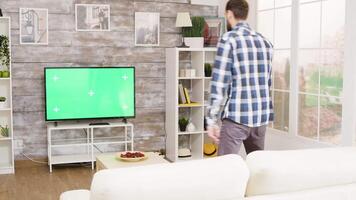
4, 29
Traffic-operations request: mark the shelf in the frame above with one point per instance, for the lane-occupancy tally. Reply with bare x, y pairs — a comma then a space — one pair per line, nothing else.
190, 78
190, 133
187, 159
6, 143
69, 145
190, 105
118, 142
2, 167
176, 59
80, 142
5, 138
64, 159
65, 126
7, 169
210, 49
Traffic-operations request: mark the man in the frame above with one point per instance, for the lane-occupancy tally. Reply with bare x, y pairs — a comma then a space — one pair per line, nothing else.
241, 84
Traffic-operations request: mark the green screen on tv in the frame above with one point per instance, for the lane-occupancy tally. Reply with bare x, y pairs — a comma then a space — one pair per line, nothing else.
89, 93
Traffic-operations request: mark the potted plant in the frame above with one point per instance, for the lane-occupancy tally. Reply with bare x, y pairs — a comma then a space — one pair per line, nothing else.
2, 102
4, 131
4, 56
194, 36
183, 123
208, 69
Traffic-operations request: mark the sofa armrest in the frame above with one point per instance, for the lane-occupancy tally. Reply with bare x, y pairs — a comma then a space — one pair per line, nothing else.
75, 195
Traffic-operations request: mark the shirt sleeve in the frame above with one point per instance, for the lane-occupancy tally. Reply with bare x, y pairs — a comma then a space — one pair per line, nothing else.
221, 80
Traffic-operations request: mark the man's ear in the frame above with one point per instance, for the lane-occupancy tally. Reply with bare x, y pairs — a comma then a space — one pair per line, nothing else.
229, 15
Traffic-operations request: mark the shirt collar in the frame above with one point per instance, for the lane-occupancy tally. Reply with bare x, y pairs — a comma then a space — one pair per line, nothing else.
243, 24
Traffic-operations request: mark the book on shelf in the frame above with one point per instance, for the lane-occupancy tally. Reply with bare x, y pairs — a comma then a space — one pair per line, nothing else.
181, 94
186, 94
184, 97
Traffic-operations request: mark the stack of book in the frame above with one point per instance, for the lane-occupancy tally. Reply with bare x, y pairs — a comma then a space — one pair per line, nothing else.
184, 97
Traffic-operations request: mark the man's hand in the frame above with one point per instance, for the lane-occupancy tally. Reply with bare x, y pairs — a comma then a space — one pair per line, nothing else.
214, 133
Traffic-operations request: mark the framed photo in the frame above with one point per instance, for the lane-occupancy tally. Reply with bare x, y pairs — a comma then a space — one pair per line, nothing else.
92, 17
147, 30
214, 28
33, 26
205, 2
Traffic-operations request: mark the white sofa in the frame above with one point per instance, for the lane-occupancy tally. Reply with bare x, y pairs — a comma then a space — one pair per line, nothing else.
321, 174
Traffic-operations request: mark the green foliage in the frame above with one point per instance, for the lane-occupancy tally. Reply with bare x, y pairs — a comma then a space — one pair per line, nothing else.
4, 51
2, 99
330, 84
183, 123
197, 29
4, 131
208, 69
5, 74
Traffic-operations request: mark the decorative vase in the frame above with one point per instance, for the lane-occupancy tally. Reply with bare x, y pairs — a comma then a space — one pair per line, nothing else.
208, 70
2, 104
182, 127
194, 42
190, 73
191, 127
182, 73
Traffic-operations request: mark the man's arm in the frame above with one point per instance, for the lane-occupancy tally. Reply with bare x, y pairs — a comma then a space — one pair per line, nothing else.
221, 79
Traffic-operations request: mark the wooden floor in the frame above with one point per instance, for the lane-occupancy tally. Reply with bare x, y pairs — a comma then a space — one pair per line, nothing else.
34, 182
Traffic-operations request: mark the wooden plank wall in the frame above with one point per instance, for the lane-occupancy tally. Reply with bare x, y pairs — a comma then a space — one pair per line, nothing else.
70, 48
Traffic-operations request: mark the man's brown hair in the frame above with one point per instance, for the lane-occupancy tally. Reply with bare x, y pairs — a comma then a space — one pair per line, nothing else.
240, 8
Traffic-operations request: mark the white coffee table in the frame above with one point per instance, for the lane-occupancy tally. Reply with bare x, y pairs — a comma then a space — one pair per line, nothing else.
109, 161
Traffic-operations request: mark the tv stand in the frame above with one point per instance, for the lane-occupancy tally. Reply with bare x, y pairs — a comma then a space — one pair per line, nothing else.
99, 124
88, 143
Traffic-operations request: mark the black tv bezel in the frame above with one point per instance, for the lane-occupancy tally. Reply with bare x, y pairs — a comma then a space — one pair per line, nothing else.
97, 118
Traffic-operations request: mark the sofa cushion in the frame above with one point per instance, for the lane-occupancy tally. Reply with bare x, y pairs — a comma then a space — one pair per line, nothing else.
75, 195
289, 171
342, 192
218, 178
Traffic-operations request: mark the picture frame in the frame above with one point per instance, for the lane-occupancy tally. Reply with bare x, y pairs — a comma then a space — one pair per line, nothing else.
205, 2
147, 29
215, 27
33, 23
92, 17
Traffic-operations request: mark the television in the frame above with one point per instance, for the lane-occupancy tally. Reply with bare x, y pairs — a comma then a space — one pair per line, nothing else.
74, 93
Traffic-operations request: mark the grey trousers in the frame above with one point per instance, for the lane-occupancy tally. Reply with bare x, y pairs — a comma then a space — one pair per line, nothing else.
232, 135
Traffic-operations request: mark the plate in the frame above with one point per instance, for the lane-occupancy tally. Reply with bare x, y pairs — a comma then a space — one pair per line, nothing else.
118, 156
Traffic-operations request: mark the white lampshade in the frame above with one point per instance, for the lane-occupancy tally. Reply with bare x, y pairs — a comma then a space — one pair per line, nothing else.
183, 20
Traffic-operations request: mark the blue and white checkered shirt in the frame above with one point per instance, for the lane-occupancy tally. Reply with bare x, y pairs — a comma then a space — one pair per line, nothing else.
242, 78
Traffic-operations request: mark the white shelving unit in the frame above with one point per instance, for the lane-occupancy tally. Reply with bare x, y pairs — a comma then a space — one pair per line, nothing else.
6, 118
198, 86
89, 142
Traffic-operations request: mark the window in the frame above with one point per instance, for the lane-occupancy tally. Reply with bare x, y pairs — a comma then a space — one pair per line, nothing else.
274, 22
319, 58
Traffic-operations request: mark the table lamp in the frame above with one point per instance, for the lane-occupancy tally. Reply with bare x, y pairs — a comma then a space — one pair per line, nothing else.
183, 20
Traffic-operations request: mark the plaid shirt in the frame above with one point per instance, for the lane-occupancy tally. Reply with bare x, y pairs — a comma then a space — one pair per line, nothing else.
242, 78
